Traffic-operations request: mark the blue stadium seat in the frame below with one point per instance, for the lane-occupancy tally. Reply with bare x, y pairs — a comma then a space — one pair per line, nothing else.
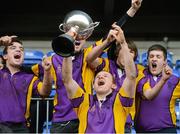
1, 52
144, 59
104, 55
137, 61
50, 53
177, 64
176, 70
170, 59
32, 57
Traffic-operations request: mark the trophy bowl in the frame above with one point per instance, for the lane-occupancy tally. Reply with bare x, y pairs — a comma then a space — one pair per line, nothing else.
83, 25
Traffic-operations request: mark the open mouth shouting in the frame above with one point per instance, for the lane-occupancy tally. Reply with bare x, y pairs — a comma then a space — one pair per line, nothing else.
101, 83
154, 68
154, 65
17, 56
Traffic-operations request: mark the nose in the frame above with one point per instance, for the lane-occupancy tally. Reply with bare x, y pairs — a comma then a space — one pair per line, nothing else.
100, 77
154, 58
18, 49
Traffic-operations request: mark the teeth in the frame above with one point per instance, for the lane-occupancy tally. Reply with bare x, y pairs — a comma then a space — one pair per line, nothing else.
101, 83
154, 65
77, 43
17, 56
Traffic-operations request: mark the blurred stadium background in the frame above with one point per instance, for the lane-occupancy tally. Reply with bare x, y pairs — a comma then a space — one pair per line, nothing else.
36, 23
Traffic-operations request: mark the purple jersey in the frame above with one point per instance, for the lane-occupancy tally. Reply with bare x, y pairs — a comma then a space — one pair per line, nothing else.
158, 113
63, 110
110, 117
119, 75
15, 95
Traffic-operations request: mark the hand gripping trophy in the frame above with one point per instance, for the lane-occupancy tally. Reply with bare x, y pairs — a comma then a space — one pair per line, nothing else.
80, 24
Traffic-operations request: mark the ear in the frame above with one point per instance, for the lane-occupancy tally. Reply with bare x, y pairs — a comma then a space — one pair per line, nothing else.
113, 86
165, 62
5, 57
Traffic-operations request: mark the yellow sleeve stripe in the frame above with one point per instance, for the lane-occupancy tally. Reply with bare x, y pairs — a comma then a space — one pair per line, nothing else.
78, 93
35, 69
29, 95
123, 92
146, 86
99, 42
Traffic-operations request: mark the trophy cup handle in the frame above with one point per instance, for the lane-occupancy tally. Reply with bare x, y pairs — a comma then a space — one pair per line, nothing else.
61, 27
93, 25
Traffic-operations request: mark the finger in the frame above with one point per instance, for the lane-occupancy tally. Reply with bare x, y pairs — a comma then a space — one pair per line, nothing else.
134, 1
165, 65
13, 36
168, 72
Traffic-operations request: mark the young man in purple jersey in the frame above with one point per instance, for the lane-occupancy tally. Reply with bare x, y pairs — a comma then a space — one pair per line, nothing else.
106, 111
157, 114
17, 87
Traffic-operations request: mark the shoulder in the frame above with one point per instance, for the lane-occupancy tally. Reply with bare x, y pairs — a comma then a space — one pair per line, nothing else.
140, 67
173, 79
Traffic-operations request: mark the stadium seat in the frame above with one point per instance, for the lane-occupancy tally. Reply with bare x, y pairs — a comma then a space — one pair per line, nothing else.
144, 59
104, 55
170, 59
176, 70
50, 53
1, 53
137, 61
32, 57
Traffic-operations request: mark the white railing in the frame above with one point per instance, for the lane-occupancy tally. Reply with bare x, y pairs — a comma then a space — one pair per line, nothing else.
47, 112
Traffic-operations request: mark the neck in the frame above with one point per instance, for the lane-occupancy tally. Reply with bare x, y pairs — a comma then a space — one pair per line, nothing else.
13, 69
102, 96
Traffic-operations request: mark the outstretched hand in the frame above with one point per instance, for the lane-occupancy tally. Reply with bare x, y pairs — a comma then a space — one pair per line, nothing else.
46, 63
110, 38
119, 36
7, 40
166, 73
136, 4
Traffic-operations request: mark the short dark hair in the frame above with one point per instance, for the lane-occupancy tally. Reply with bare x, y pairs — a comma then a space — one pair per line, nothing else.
114, 50
6, 47
132, 46
3, 61
158, 47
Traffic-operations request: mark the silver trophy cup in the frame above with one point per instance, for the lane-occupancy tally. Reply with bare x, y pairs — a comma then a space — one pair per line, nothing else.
78, 21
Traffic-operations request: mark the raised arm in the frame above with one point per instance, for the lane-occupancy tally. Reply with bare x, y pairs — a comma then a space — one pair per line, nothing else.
152, 93
92, 57
135, 5
129, 65
70, 84
7, 40
47, 79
